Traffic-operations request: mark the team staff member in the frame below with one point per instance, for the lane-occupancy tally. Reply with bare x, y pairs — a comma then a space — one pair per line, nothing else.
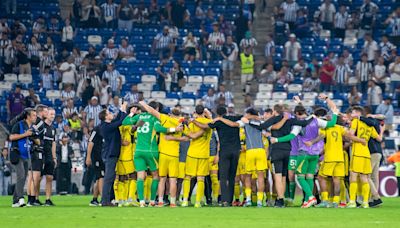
109, 129
19, 155
34, 176
93, 157
50, 158
229, 151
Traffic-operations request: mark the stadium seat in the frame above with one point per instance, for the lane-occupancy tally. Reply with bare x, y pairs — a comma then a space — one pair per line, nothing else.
5, 86
339, 103
260, 103
25, 78
94, 40
158, 94
10, 78
353, 81
145, 87
146, 94
191, 88
279, 95
150, 79
325, 34
308, 103
187, 109
265, 87
263, 96
211, 80
186, 102
171, 102
295, 88
310, 95
195, 79
53, 94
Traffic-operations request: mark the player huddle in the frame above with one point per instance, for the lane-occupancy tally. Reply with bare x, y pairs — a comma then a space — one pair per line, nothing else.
166, 154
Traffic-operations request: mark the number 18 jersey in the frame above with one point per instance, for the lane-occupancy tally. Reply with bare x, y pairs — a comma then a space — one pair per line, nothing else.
147, 133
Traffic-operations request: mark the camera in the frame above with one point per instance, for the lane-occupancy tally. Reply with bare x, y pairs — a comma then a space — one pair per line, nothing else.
6, 171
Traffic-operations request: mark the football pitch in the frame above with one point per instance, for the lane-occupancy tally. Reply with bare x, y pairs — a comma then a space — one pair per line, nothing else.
73, 211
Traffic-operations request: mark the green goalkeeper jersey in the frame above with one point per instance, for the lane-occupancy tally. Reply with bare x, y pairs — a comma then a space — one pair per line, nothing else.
146, 141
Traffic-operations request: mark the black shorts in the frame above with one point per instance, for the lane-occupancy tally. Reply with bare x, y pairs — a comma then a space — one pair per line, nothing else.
99, 169
280, 166
48, 169
36, 164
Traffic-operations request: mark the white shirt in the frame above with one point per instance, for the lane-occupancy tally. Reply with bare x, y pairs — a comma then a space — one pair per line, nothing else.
292, 51
395, 76
374, 95
68, 76
370, 48
380, 70
327, 12
67, 33
64, 154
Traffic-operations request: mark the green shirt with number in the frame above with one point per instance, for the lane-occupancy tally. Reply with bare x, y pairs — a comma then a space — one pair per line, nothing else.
147, 133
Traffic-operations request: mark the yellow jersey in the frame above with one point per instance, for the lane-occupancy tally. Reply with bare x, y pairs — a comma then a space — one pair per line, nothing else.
200, 147
333, 143
126, 151
363, 131
242, 136
169, 147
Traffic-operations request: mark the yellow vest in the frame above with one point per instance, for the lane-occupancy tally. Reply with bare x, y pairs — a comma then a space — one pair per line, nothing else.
75, 124
247, 64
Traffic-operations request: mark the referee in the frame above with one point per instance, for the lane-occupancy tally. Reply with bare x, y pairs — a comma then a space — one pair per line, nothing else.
109, 129
93, 158
228, 157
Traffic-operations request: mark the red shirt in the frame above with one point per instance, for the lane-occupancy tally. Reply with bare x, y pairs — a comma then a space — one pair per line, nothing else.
325, 78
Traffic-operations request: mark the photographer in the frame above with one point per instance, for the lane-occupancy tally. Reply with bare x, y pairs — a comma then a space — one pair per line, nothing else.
49, 148
19, 155
37, 153
5, 169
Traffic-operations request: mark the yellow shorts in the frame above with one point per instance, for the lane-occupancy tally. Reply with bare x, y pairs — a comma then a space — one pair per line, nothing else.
256, 160
241, 169
197, 167
168, 166
211, 166
360, 165
124, 167
182, 166
269, 164
332, 169
346, 163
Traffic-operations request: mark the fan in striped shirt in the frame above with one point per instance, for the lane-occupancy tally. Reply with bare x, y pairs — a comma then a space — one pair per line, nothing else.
386, 48
67, 93
162, 44
69, 109
290, 7
47, 78
216, 40
114, 78
340, 22
109, 13
125, 51
92, 111
110, 52
269, 49
248, 42
394, 24
4, 42
46, 60
33, 52
341, 75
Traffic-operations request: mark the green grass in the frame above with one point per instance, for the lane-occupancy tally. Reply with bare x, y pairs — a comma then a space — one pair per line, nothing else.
73, 211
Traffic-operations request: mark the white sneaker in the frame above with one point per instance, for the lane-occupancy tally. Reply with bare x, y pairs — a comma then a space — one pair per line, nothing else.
15, 205
22, 202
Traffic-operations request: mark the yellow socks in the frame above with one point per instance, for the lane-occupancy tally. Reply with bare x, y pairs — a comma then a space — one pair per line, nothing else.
200, 191
324, 196
248, 193
237, 191
186, 188
342, 191
116, 191
253, 197
353, 191
365, 191
132, 190
336, 199
260, 196
215, 186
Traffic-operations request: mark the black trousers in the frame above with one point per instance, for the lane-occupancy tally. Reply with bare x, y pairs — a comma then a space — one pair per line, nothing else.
398, 185
228, 162
64, 178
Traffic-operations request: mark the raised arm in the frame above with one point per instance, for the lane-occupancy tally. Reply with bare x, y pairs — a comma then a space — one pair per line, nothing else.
266, 124
150, 110
295, 131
